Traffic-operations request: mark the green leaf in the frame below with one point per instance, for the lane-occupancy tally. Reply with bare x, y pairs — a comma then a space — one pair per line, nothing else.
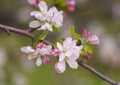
43, 35
73, 33
88, 49
56, 29
61, 40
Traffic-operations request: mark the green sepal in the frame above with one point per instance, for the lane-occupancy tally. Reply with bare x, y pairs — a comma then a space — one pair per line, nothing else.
73, 33
61, 40
43, 35
87, 49
56, 29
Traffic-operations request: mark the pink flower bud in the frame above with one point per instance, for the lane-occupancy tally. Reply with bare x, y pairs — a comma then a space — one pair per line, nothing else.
34, 3
87, 57
37, 1
40, 45
85, 33
71, 8
71, 5
46, 60
94, 40
56, 52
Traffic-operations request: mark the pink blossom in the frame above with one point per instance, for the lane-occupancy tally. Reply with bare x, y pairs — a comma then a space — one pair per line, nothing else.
34, 3
41, 52
87, 57
94, 40
40, 45
71, 5
46, 60
85, 33
71, 8
56, 52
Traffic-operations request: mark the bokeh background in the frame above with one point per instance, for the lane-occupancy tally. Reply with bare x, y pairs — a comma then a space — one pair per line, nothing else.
100, 17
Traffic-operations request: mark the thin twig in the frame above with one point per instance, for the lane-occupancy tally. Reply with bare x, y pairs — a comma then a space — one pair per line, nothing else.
86, 66
91, 69
9, 29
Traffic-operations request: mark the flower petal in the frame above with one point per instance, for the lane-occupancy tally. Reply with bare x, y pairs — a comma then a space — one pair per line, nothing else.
34, 24
72, 63
60, 67
48, 26
35, 13
67, 42
68, 53
27, 49
62, 57
39, 61
43, 6
59, 46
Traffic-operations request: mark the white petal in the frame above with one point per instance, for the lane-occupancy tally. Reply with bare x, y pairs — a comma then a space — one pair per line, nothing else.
43, 27
62, 57
49, 27
39, 61
51, 13
59, 46
41, 17
43, 6
67, 42
68, 53
72, 63
60, 67
32, 2
58, 19
34, 24
27, 49
35, 13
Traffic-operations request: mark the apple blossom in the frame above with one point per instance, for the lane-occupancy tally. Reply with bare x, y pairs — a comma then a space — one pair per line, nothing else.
41, 53
69, 53
56, 52
46, 19
92, 39
85, 33
34, 3
71, 5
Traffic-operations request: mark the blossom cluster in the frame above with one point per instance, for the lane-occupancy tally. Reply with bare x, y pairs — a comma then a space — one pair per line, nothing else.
46, 19
66, 51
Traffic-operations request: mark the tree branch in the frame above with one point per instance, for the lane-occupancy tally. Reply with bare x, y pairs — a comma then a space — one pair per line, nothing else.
91, 69
30, 35
9, 29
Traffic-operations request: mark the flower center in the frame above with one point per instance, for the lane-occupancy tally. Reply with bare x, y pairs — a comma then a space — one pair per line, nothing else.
66, 58
64, 49
44, 13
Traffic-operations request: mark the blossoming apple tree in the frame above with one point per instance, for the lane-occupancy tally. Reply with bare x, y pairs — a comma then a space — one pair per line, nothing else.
72, 51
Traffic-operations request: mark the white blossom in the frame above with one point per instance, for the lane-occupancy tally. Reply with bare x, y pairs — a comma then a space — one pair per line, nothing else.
46, 19
69, 53
39, 52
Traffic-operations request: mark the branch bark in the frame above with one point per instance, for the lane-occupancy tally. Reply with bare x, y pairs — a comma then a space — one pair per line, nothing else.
28, 33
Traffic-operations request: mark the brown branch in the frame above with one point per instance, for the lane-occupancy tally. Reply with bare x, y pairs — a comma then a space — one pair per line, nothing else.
91, 69
30, 35
9, 29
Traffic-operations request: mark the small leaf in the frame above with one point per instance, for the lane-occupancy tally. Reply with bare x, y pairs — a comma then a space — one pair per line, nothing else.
73, 34
43, 35
56, 29
88, 49
61, 40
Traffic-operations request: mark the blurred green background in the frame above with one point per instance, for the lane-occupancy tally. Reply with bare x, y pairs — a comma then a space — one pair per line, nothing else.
101, 17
